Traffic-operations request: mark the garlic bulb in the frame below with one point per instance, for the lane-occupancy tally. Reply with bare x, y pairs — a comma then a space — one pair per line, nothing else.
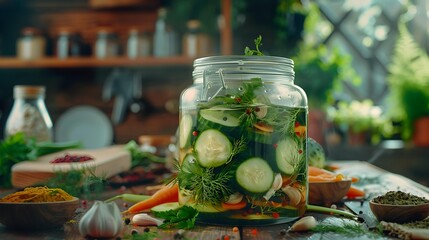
102, 220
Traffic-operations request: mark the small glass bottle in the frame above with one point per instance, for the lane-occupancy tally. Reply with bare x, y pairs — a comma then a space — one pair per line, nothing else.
68, 44
107, 44
138, 44
29, 114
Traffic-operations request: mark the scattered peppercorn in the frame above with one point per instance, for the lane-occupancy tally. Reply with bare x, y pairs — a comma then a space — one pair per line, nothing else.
127, 221
146, 229
134, 232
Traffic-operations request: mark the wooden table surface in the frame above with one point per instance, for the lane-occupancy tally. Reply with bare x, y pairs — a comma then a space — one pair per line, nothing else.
373, 180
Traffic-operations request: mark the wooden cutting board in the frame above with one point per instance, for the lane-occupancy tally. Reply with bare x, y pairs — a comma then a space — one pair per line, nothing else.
106, 163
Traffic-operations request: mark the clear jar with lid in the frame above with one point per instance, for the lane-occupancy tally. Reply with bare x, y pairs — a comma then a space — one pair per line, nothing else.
242, 141
138, 43
31, 44
107, 43
29, 114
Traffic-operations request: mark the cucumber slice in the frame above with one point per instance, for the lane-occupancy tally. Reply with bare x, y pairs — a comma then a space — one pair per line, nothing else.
185, 130
287, 155
255, 175
165, 207
220, 116
213, 148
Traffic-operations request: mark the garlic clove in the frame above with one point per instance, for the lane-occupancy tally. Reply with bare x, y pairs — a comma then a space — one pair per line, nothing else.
143, 219
293, 194
235, 198
304, 224
278, 181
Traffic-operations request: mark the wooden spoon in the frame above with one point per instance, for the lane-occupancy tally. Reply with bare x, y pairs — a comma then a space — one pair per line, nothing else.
399, 213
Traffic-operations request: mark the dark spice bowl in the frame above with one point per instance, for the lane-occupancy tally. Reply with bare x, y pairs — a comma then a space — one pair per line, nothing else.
399, 213
37, 215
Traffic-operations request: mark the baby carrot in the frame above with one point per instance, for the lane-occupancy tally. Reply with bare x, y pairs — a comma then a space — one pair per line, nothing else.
355, 193
164, 195
236, 206
314, 171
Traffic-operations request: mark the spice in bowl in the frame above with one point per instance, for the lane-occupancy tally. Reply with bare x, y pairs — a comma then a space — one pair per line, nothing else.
399, 207
400, 198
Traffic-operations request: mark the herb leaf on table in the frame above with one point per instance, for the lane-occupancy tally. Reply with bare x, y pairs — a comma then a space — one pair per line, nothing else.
182, 218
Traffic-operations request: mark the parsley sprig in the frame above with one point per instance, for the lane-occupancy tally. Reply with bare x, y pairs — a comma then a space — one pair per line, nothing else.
250, 52
181, 218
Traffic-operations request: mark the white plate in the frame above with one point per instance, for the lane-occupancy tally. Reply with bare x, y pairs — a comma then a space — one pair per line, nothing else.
86, 124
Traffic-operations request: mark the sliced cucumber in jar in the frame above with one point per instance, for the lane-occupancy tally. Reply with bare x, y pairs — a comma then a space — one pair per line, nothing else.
220, 116
213, 148
288, 155
185, 130
255, 175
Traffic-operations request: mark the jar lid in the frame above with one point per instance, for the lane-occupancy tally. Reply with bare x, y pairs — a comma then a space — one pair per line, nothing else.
31, 31
20, 91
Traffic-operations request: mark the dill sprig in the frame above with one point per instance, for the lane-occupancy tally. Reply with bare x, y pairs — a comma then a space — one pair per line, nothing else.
283, 119
347, 229
207, 185
250, 52
238, 147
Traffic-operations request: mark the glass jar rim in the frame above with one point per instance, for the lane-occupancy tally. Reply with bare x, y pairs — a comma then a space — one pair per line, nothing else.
241, 60
241, 64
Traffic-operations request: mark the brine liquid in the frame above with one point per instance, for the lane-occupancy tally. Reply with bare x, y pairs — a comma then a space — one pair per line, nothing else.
272, 133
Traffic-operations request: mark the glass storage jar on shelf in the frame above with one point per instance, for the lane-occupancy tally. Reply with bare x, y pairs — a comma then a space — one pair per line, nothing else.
138, 43
69, 43
31, 44
242, 141
106, 44
29, 114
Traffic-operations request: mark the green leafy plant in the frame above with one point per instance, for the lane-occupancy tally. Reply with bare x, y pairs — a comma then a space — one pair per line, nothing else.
17, 148
182, 218
408, 81
362, 117
319, 71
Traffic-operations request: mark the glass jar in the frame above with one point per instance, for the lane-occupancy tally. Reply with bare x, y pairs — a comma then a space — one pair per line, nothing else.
69, 44
29, 114
242, 141
138, 44
196, 43
107, 44
31, 44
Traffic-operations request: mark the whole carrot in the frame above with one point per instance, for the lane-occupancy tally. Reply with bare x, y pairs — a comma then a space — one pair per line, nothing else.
166, 194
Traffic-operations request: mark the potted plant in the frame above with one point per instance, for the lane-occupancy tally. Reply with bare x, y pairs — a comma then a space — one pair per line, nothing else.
362, 121
408, 81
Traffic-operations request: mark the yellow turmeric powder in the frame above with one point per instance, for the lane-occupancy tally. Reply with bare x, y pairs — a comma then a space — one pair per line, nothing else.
38, 194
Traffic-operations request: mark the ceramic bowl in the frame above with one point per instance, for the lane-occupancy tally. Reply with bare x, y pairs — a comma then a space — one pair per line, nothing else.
37, 215
328, 193
399, 213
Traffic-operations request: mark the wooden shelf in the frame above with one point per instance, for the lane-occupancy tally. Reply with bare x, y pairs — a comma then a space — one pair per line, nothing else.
91, 62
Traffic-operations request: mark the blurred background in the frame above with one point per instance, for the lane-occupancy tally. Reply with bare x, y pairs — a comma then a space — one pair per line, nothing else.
363, 64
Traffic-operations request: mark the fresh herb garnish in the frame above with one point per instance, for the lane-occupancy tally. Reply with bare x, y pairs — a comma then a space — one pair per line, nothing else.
141, 158
182, 218
207, 185
346, 228
250, 52
78, 182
